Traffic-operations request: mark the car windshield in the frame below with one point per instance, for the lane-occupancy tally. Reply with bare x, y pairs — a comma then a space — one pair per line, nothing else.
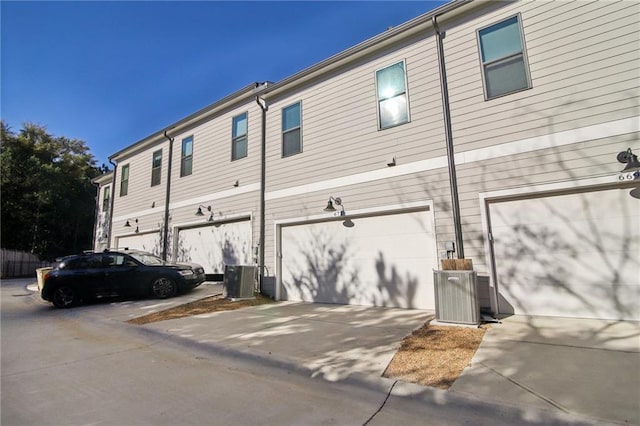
147, 258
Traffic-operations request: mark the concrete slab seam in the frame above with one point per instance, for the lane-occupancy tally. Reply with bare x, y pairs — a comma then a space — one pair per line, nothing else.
527, 389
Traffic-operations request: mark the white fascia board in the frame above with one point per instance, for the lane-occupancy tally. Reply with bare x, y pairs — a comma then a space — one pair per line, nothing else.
353, 214
568, 137
203, 199
373, 175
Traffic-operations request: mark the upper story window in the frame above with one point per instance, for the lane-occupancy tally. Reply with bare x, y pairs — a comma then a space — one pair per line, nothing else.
124, 180
239, 137
504, 62
106, 197
156, 168
292, 130
393, 99
186, 164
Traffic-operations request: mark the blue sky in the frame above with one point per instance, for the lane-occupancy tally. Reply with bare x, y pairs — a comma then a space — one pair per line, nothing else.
112, 73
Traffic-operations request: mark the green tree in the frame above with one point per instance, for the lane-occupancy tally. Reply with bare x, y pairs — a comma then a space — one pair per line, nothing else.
47, 199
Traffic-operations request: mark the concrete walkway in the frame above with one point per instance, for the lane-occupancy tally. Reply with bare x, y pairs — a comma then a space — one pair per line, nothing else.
586, 367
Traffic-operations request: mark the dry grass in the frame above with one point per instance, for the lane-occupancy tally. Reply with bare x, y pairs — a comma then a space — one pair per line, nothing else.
203, 306
435, 355
431, 356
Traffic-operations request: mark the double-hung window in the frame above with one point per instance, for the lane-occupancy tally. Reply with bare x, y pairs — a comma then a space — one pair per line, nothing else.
239, 137
106, 196
392, 95
124, 180
292, 130
186, 164
504, 62
156, 168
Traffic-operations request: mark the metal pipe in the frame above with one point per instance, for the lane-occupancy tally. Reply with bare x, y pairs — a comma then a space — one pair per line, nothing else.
263, 172
165, 236
112, 201
453, 180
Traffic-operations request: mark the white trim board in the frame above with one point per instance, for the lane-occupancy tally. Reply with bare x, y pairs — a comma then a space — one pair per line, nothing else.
203, 199
568, 137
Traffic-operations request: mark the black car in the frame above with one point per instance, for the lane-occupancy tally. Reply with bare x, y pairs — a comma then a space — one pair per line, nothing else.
117, 273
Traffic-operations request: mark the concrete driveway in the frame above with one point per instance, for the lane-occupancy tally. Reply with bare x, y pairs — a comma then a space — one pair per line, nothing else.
570, 367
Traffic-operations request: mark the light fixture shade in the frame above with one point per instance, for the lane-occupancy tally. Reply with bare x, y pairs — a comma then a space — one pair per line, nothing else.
635, 193
348, 223
631, 159
330, 207
632, 165
199, 212
127, 225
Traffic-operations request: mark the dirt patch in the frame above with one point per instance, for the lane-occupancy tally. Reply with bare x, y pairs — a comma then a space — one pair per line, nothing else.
203, 306
431, 356
435, 355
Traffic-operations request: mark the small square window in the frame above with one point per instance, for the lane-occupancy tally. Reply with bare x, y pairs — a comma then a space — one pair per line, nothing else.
292, 130
504, 63
239, 137
124, 180
186, 164
391, 92
156, 168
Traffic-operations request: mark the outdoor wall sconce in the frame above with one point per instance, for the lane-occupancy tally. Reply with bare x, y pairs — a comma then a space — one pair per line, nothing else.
128, 225
631, 171
348, 223
338, 202
630, 159
199, 212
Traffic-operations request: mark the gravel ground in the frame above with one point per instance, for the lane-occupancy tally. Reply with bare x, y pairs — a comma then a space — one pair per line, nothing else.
431, 356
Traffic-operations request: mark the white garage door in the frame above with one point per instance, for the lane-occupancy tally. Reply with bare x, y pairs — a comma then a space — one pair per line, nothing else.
380, 261
574, 255
149, 242
214, 246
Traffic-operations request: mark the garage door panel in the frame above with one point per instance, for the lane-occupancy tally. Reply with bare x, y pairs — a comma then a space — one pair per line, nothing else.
381, 261
214, 246
149, 242
575, 255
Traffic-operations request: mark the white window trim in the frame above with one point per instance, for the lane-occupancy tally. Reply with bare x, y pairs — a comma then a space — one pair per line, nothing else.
183, 157
154, 168
236, 138
525, 59
289, 130
406, 94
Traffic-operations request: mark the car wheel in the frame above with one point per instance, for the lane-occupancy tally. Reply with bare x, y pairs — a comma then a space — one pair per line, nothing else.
64, 297
163, 288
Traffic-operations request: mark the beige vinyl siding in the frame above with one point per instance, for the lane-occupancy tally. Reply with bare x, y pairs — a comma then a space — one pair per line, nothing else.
141, 194
213, 173
583, 59
213, 170
340, 134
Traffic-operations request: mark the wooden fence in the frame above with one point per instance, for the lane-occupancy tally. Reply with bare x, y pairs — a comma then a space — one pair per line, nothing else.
19, 264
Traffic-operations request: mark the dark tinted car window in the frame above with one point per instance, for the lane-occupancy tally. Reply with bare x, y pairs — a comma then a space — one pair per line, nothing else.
114, 259
83, 262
